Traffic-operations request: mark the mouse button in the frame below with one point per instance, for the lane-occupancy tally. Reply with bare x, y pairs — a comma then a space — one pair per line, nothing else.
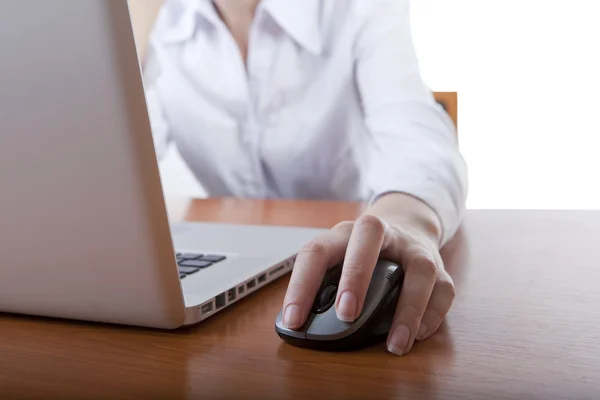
377, 293
383, 320
327, 326
299, 333
380, 285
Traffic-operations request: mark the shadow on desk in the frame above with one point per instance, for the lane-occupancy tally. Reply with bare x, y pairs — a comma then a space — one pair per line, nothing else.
369, 373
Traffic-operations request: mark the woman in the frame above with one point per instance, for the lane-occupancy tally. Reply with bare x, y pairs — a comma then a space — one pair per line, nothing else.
318, 99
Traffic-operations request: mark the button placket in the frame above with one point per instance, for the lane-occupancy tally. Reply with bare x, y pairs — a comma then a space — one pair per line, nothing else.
258, 68
253, 184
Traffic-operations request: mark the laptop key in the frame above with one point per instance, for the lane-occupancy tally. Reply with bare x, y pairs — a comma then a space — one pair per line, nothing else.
189, 256
212, 258
195, 263
187, 270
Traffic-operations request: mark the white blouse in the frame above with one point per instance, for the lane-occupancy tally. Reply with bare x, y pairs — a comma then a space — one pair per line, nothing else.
331, 105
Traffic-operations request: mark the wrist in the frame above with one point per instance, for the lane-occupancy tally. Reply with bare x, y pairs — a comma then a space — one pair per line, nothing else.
408, 214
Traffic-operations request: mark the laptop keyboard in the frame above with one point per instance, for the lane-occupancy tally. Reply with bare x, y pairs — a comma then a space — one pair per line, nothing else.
190, 263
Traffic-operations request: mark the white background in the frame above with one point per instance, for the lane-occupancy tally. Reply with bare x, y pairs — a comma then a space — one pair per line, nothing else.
528, 77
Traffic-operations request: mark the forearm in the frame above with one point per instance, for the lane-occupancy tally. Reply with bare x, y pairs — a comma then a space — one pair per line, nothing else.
409, 213
143, 16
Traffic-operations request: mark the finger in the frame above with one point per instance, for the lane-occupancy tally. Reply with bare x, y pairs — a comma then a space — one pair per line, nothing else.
362, 253
312, 262
439, 305
419, 281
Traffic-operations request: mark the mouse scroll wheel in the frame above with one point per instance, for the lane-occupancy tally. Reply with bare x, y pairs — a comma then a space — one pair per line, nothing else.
325, 299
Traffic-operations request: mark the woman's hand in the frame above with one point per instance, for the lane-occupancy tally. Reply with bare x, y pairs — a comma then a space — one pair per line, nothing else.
410, 238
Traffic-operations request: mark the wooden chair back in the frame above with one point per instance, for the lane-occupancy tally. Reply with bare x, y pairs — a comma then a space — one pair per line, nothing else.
449, 100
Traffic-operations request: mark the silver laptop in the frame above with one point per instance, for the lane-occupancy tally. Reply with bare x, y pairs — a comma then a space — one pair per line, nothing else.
84, 232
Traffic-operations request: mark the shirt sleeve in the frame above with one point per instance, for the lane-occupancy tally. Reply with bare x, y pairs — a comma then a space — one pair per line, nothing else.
413, 147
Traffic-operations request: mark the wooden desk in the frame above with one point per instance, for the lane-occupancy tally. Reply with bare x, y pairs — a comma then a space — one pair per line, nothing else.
526, 324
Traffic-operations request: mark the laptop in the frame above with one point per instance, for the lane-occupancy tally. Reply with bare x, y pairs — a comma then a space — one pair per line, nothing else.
84, 230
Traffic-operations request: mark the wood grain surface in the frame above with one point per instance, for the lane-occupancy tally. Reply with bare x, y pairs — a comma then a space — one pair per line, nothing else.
525, 325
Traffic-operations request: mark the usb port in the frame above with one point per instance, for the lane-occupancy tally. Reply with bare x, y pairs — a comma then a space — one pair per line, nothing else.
251, 284
207, 308
241, 289
231, 295
262, 278
276, 270
220, 301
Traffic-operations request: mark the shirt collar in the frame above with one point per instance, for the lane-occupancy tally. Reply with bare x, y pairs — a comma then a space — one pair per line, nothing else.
303, 20
182, 18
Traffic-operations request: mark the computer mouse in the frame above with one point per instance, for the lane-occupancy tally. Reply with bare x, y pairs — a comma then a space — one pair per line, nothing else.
324, 331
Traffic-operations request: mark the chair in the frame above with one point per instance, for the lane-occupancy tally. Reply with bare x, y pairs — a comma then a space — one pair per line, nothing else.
448, 100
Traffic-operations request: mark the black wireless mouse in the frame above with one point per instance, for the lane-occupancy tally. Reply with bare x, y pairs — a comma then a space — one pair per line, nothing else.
324, 331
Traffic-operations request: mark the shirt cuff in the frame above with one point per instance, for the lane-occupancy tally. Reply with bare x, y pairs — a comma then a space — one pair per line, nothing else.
446, 205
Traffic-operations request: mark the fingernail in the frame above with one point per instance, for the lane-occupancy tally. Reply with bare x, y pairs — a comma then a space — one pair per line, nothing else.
398, 340
291, 317
346, 310
422, 331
